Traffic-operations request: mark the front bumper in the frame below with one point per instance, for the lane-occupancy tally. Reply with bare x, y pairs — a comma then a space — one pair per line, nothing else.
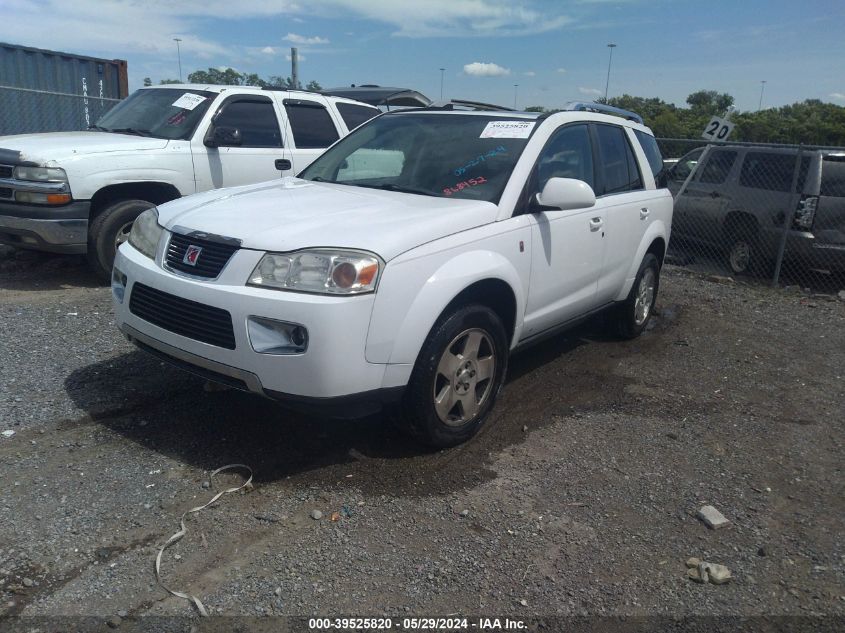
331, 377
55, 229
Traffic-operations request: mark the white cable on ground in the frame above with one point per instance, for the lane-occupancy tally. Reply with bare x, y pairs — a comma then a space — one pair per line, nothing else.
183, 530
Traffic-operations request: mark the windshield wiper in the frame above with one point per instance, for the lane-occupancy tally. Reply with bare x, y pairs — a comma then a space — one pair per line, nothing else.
130, 130
394, 187
321, 179
98, 127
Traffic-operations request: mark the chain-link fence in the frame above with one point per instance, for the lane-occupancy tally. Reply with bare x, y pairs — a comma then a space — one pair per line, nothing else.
25, 110
773, 213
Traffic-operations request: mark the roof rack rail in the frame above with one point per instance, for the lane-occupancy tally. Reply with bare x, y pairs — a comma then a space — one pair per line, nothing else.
583, 106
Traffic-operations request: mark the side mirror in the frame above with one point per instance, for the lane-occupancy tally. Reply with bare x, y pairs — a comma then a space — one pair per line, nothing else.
223, 136
283, 164
566, 194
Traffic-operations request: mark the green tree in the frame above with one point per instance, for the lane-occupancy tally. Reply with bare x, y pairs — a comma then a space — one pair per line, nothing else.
164, 82
710, 102
313, 86
148, 81
535, 109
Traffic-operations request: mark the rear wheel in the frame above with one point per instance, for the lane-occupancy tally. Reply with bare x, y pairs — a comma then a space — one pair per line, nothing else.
457, 377
109, 230
633, 314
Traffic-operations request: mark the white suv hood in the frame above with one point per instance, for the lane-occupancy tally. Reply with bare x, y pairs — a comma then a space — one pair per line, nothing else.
287, 216
52, 147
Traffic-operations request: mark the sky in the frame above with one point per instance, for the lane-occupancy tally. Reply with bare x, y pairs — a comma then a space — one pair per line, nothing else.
528, 52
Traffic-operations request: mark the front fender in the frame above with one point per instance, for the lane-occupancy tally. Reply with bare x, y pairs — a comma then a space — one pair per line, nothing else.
413, 294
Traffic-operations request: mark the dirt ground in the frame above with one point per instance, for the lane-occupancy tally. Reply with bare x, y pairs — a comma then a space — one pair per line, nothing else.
577, 499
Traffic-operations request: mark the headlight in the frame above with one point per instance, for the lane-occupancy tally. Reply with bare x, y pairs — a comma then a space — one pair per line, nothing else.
324, 271
146, 233
40, 174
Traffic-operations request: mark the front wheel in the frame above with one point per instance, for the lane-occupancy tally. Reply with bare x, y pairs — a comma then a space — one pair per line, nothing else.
633, 314
457, 377
109, 230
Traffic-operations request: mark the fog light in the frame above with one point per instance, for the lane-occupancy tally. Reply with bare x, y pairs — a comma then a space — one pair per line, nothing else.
118, 284
268, 336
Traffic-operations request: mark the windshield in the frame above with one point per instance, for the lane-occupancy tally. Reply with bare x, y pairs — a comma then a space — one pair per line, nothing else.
445, 155
158, 112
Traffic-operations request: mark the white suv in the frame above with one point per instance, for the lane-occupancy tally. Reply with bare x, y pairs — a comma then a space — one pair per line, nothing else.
404, 265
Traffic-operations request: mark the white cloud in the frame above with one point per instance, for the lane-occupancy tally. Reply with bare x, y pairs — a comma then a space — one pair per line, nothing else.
838, 95
484, 69
301, 39
268, 50
593, 92
561, 70
299, 56
529, 73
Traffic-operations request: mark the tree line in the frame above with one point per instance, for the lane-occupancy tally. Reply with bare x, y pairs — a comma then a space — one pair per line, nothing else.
231, 77
810, 122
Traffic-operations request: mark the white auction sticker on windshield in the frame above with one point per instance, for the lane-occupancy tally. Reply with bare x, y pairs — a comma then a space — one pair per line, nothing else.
507, 129
188, 101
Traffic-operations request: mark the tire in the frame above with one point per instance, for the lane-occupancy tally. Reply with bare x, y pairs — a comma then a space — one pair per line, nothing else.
110, 229
457, 377
633, 314
742, 253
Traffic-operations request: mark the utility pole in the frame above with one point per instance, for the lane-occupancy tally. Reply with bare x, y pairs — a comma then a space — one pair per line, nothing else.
762, 87
442, 70
515, 87
609, 62
178, 55
294, 68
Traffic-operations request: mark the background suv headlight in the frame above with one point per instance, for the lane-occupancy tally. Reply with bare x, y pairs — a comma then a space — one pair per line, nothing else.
323, 271
40, 174
146, 232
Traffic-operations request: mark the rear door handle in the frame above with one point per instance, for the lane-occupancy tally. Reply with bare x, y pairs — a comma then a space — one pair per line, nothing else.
596, 224
644, 212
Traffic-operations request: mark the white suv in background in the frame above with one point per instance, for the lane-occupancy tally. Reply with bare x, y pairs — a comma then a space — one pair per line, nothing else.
79, 192
405, 264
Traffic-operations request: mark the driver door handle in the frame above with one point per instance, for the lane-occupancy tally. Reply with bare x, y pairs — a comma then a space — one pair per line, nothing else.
596, 224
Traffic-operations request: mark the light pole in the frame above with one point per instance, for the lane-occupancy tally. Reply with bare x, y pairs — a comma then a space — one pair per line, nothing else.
515, 87
442, 70
178, 55
609, 62
762, 87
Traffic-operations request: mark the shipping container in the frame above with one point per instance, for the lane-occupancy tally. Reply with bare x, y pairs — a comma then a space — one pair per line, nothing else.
48, 91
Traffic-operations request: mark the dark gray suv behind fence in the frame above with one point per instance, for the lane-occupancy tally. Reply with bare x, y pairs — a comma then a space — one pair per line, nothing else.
740, 197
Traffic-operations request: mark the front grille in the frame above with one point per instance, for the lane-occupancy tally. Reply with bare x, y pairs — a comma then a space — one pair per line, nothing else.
5, 171
182, 316
211, 260
5, 192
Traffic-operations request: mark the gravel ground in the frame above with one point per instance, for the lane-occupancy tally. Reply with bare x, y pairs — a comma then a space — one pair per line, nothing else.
578, 498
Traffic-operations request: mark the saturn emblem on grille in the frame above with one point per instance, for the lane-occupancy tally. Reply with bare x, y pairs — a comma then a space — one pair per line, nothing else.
192, 254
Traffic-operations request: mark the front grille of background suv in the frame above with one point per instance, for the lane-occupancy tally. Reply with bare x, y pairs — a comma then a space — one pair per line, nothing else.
5, 171
182, 316
213, 257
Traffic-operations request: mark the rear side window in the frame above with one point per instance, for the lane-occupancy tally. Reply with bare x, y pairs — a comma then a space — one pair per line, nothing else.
312, 124
354, 115
652, 153
718, 167
255, 119
772, 172
833, 178
618, 165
